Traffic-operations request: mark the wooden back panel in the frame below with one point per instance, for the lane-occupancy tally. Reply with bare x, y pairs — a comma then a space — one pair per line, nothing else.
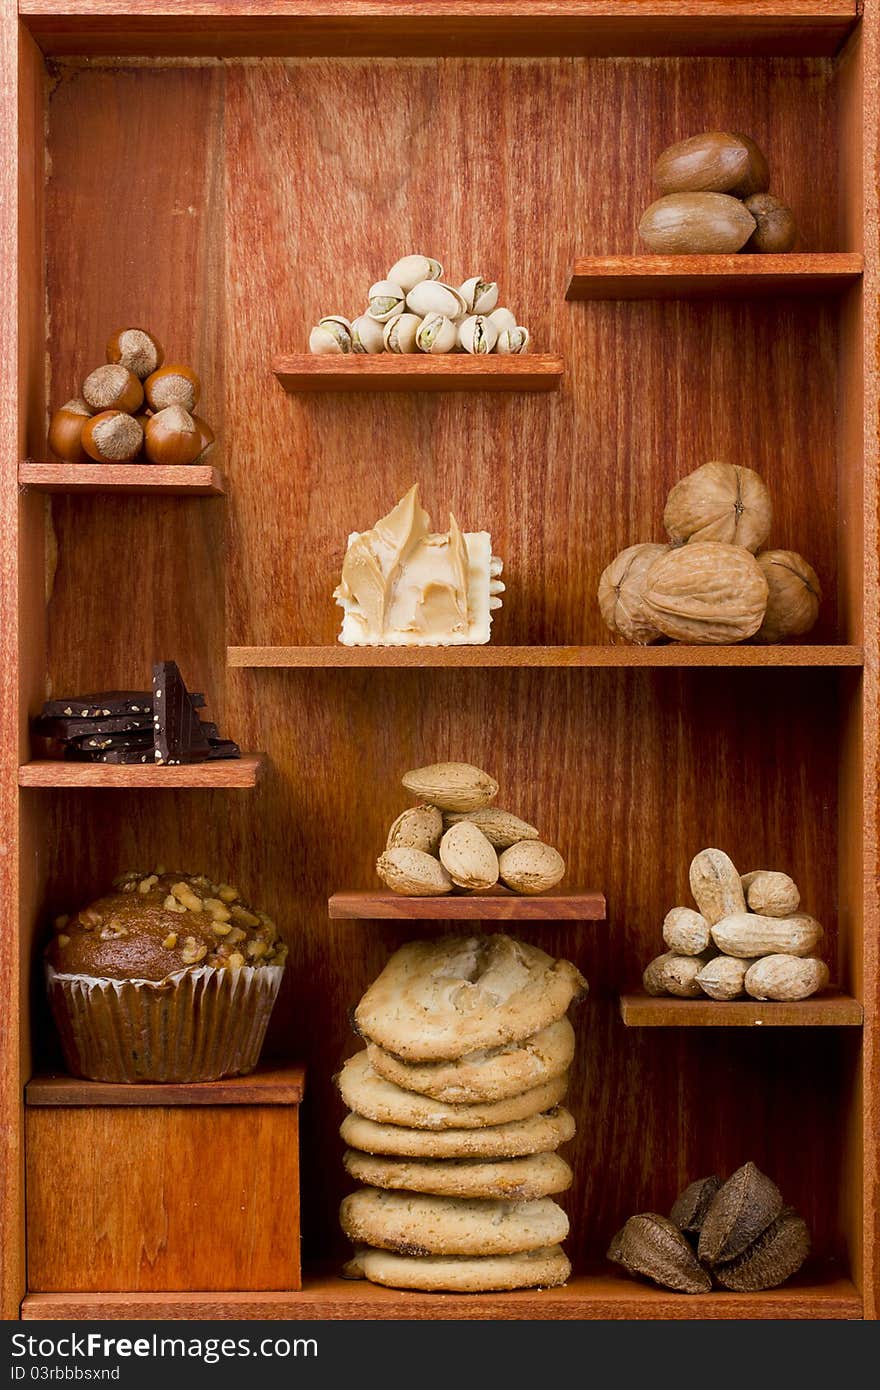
241, 203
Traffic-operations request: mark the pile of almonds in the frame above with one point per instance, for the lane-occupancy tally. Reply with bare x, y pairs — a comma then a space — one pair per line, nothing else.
715, 200
747, 938
737, 1234
133, 409
414, 310
455, 839
713, 584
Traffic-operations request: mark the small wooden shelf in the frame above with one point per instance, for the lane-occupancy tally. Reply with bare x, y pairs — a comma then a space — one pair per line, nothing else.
529, 371
257, 658
196, 480
712, 277
266, 1086
224, 772
831, 1010
474, 907
585, 1296
470, 28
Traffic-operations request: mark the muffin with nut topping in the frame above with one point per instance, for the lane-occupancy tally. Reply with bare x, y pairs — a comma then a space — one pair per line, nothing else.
168, 978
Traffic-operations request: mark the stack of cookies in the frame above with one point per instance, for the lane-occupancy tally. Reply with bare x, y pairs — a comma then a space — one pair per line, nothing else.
456, 1117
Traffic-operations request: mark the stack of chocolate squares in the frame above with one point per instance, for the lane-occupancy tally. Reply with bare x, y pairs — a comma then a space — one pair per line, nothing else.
161, 725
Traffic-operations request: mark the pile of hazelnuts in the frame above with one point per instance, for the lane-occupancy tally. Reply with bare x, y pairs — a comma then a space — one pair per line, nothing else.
133, 408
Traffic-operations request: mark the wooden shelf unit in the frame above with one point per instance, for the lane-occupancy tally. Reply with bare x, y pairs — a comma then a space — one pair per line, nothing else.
829, 1010
609, 656
527, 371
196, 480
712, 277
630, 759
472, 907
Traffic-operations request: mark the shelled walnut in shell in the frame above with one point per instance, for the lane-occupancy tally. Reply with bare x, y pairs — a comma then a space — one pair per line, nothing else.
133, 409
737, 1234
746, 937
712, 583
454, 839
413, 310
715, 200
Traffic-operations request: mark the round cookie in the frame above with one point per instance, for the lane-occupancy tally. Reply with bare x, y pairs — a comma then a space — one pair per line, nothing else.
512, 1179
419, 1225
371, 1095
544, 1268
440, 999
538, 1134
487, 1075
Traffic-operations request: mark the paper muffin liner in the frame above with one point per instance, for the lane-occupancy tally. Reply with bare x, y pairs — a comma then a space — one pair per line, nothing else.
197, 1025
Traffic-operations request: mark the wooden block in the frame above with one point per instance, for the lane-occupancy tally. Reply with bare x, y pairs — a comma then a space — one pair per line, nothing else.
529, 371
489, 655
475, 907
196, 480
163, 1197
830, 1010
223, 772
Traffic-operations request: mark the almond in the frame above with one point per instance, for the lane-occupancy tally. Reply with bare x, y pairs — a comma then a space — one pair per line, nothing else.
418, 828
468, 857
531, 867
452, 786
413, 873
500, 828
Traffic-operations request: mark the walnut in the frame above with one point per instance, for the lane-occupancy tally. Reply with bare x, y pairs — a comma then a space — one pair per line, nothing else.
720, 502
620, 593
706, 593
795, 595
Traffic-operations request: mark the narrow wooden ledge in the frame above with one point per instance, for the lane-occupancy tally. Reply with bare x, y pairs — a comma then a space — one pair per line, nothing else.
257, 658
196, 480
712, 277
596, 1296
529, 371
472, 907
224, 773
279, 1086
830, 1010
441, 28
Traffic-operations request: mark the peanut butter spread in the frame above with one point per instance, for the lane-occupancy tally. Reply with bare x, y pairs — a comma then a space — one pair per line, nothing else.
155, 925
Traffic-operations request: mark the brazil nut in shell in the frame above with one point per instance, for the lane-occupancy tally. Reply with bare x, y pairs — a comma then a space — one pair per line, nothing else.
694, 224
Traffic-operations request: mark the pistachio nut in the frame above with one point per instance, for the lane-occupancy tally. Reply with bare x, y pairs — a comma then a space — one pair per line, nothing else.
400, 333
331, 334
434, 297
480, 296
436, 333
385, 300
513, 340
502, 318
410, 271
477, 334
367, 335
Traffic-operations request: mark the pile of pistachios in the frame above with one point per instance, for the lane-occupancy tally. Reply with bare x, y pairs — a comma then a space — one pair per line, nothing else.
414, 310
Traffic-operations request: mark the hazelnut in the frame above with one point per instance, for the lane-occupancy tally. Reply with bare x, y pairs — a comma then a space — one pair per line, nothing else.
205, 432
172, 385
137, 350
113, 387
112, 437
65, 431
172, 437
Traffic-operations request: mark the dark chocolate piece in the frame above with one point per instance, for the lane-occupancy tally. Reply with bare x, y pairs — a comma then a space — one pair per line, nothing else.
210, 730
99, 706
223, 748
65, 729
112, 755
101, 742
177, 729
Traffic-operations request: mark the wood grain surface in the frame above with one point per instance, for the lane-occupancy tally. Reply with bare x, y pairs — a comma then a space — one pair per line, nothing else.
285, 203
529, 371
167, 1197
590, 1296
223, 772
265, 1086
830, 1010
154, 479
622, 654
418, 28
474, 907
711, 277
